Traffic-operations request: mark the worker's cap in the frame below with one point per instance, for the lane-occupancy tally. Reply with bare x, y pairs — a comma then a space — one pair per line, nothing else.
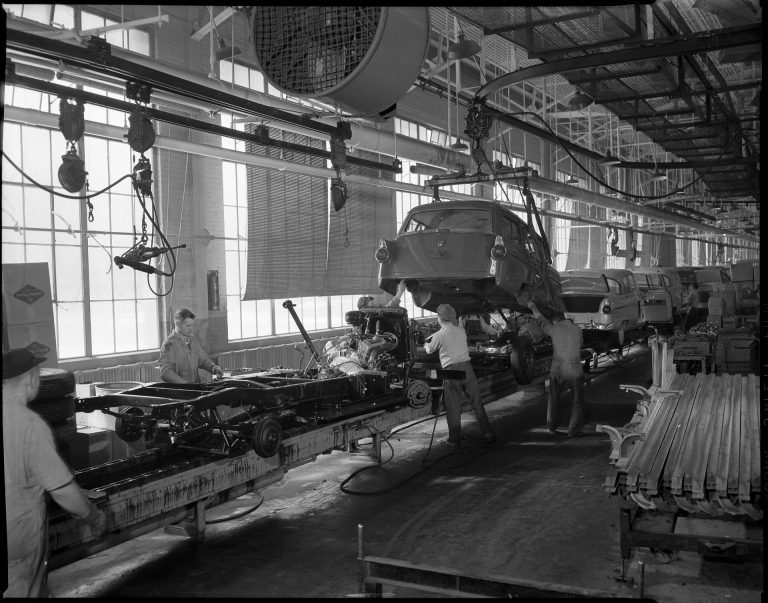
18, 361
446, 312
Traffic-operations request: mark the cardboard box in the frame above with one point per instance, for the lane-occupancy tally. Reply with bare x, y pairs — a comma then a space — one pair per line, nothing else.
91, 446
28, 310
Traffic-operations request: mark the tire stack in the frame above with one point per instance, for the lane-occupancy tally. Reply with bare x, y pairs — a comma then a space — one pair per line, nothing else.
55, 402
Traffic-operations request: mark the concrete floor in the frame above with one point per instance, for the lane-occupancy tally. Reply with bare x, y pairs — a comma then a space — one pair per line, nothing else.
531, 508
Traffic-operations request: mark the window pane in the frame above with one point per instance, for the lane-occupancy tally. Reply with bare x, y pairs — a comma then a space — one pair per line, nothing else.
63, 16
146, 323
99, 280
232, 273
96, 161
69, 278
264, 317
125, 326
70, 330
102, 329
248, 317
90, 21
37, 154
13, 253
138, 41
229, 183
13, 204
233, 317
12, 146
37, 12
41, 253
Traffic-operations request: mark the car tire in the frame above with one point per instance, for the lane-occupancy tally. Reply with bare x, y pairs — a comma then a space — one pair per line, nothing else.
522, 360
55, 383
54, 411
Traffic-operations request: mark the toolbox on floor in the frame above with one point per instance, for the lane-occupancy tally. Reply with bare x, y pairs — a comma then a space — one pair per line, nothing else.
735, 351
692, 345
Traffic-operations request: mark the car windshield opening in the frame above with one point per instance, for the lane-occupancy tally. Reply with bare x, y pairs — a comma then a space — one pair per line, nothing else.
596, 284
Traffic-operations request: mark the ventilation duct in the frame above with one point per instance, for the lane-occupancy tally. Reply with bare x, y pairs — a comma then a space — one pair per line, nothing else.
360, 58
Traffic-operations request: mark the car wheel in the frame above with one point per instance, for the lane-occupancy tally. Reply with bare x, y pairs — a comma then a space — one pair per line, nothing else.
55, 383
522, 360
54, 411
267, 436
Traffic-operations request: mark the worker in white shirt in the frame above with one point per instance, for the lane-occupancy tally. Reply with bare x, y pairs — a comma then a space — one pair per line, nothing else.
451, 342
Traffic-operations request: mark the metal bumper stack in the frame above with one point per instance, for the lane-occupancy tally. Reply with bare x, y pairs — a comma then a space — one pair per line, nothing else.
689, 459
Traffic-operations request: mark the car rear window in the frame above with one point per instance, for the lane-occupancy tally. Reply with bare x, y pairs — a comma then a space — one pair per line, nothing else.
449, 219
595, 284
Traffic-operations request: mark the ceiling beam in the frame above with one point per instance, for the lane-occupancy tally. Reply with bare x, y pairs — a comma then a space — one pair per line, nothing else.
217, 20
550, 21
615, 75
649, 50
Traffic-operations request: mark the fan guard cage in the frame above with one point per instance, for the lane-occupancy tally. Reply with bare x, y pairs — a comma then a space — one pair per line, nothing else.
362, 58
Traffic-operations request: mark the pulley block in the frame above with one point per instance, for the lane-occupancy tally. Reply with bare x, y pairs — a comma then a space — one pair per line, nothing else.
141, 133
72, 172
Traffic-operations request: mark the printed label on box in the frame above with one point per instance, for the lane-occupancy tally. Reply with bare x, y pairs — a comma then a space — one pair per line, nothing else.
38, 349
29, 294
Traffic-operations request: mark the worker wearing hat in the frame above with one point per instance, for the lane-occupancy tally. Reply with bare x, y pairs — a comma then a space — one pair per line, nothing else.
566, 369
451, 342
33, 467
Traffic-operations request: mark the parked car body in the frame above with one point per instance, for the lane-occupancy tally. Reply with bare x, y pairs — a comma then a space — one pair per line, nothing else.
745, 277
661, 292
475, 255
602, 299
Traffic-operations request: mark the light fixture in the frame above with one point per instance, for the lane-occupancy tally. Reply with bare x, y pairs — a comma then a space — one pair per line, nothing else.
458, 145
658, 177
610, 160
580, 100
572, 180
463, 49
226, 52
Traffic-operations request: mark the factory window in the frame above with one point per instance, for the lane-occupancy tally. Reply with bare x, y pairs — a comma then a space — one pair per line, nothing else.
41, 227
135, 40
616, 261
60, 16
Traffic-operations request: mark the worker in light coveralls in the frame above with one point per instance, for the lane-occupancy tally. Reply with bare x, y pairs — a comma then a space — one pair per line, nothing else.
451, 342
32, 466
567, 341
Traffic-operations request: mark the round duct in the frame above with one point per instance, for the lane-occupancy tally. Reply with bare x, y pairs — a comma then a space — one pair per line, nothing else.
362, 58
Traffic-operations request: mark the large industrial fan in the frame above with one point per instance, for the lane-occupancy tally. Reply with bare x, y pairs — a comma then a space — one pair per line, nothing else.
362, 59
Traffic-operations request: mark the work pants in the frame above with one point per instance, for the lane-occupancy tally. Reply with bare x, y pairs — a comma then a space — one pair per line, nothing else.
559, 380
454, 391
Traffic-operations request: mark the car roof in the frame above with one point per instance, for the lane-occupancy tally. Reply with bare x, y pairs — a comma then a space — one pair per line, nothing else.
654, 269
466, 204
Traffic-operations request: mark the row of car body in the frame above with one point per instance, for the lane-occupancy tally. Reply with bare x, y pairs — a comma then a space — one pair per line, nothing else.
479, 256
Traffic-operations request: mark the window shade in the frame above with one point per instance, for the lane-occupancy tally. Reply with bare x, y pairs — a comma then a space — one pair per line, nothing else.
298, 246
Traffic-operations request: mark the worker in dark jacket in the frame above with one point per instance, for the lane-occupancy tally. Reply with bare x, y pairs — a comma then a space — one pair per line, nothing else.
567, 341
181, 354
